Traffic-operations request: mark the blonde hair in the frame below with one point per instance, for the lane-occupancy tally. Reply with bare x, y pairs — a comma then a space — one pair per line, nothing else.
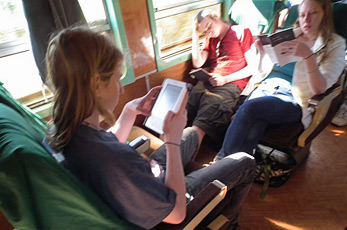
75, 56
327, 25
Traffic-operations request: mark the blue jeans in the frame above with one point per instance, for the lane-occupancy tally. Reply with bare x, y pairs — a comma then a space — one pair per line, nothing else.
235, 171
270, 103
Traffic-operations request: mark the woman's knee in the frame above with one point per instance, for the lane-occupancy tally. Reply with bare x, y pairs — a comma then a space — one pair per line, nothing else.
250, 108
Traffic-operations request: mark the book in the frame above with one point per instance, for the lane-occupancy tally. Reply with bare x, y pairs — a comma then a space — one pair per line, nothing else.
272, 46
200, 74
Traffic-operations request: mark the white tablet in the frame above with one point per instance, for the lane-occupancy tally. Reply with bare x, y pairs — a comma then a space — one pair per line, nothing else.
169, 99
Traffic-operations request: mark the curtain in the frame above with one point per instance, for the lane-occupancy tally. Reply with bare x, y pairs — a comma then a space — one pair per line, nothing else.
45, 17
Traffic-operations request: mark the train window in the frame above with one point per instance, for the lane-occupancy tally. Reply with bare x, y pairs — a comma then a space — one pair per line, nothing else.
95, 14
105, 15
15, 49
171, 24
114, 17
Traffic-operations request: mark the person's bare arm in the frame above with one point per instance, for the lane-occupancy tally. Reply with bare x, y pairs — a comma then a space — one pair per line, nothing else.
133, 108
174, 177
199, 56
248, 70
316, 80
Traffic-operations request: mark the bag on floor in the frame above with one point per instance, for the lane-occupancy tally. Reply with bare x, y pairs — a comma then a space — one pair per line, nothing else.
273, 168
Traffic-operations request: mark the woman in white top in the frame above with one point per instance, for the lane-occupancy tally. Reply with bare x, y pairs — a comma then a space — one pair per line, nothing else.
284, 91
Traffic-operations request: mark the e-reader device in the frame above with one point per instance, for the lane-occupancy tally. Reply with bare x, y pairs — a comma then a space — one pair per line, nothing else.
169, 99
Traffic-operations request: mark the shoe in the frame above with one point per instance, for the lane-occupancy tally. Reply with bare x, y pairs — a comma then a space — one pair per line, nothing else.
340, 118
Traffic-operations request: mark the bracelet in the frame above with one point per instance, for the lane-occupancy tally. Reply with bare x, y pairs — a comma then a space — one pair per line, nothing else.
313, 70
309, 56
171, 143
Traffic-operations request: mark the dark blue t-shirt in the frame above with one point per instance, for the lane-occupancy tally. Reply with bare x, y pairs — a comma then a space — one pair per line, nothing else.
120, 176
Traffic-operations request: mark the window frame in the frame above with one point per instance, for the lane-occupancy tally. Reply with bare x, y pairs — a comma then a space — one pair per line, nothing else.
154, 14
17, 45
115, 19
13, 47
40, 101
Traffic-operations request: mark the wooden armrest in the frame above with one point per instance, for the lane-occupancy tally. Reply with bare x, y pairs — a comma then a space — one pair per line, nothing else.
200, 206
154, 142
320, 105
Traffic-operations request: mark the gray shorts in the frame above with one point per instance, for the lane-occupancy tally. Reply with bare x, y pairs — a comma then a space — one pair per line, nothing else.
211, 108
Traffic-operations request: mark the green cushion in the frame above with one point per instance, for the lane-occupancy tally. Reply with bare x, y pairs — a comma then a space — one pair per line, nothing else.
35, 191
6, 98
257, 15
340, 19
292, 16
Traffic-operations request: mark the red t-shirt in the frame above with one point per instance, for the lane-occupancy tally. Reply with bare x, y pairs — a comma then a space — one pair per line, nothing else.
230, 55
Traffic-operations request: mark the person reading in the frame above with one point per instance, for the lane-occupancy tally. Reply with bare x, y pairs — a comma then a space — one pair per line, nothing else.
229, 52
282, 97
85, 68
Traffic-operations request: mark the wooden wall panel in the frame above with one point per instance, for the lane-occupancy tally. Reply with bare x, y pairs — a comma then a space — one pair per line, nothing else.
137, 27
139, 87
132, 91
178, 72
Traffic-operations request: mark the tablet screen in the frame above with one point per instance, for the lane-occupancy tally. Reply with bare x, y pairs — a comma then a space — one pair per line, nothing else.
167, 101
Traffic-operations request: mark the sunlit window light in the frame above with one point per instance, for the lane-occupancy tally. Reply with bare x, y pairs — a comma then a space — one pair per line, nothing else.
94, 12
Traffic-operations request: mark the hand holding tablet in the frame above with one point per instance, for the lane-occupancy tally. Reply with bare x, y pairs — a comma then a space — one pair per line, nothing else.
169, 99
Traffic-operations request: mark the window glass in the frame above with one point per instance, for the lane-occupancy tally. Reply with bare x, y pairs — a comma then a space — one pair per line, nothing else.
171, 25
13, 33
20, 74
18, 68
94, 12
174, 32
164, 4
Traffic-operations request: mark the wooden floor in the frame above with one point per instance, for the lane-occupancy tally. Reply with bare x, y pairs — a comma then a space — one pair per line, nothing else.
315, 197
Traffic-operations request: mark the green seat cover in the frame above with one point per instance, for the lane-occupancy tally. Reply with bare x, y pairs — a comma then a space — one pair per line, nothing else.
35, 191
257, 15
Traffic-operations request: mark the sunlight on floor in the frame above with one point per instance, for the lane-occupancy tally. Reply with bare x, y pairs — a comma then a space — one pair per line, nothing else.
338, 132
284, 225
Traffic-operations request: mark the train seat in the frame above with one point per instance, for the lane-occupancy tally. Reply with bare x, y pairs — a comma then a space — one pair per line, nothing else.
292, 138
264, 14
36, 192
